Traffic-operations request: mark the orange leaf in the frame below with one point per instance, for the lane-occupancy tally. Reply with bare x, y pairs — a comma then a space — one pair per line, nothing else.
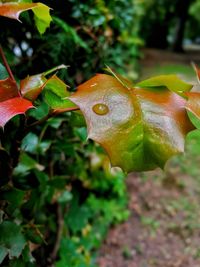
13, 10
140, 129
193, 103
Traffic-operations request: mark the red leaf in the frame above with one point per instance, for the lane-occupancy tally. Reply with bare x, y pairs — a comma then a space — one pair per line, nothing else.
8, 89
13, 107
11, 103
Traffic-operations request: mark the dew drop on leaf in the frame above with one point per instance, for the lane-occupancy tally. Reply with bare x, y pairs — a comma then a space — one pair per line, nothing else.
100, 109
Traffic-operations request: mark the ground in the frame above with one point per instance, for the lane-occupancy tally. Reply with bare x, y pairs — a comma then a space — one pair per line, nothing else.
163, 229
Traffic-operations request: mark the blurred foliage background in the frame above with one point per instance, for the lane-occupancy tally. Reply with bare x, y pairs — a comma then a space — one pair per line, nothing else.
63, 196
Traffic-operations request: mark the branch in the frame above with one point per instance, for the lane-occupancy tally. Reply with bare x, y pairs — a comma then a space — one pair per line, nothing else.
59, 233
45, 118
51, 114
5, 62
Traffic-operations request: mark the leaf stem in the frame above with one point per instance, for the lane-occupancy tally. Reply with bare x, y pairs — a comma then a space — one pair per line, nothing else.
52, 113
5, 62
55, 69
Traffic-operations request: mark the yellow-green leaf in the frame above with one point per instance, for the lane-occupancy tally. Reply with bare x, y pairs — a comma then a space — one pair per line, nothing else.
41, 13
171, 82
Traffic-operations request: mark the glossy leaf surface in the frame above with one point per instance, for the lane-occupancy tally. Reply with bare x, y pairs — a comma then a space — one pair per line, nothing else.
193, 103
140, 128
55, 92
32, 86
41, 13
171, 82
8, 89
11, 103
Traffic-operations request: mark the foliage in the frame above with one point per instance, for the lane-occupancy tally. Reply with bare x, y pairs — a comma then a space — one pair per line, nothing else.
59, 194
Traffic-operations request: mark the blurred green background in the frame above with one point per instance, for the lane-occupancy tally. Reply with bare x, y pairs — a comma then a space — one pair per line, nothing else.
63, 190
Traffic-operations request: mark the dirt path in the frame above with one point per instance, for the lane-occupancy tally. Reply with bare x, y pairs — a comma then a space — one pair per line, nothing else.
164, 226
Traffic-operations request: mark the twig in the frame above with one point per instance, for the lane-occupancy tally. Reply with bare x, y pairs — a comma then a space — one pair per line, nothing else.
58, 111
5, 62
59, 233
45, 118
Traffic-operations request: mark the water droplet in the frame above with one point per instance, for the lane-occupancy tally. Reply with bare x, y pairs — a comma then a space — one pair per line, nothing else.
100, 109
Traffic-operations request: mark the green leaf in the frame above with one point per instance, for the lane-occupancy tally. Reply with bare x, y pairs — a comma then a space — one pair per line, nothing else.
27, 164
55, 92
66, 196
32, 86
139, 129
3, 72
171, 82
12, 241
3, 253
42, 17
41, 13
70, 31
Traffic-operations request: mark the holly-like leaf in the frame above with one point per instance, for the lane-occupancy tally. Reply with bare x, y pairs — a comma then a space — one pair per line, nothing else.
197, 71
193, 103
13, 107
41, 13
32, 86
171, 82
8, 89
11, 103
12, 241
140, 128
55, 92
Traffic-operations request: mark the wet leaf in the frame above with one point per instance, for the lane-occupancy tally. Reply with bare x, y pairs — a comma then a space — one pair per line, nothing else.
13, 107
11, 103
8, 89
141, 128
171, 82
193, 103
41, 13
197, 71
55, 92
33, 85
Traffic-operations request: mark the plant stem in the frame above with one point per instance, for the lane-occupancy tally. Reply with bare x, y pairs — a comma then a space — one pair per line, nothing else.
5, 62
51, 114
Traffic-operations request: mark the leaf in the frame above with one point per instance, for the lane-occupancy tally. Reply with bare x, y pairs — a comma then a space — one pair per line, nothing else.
55, 92
13, 107
3, 72
139, 129
42, 17
26, 164
32, 86
193, 103
12, 241
197, 71
8, 89
41, 13
70, 31
126, 83
171, 82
